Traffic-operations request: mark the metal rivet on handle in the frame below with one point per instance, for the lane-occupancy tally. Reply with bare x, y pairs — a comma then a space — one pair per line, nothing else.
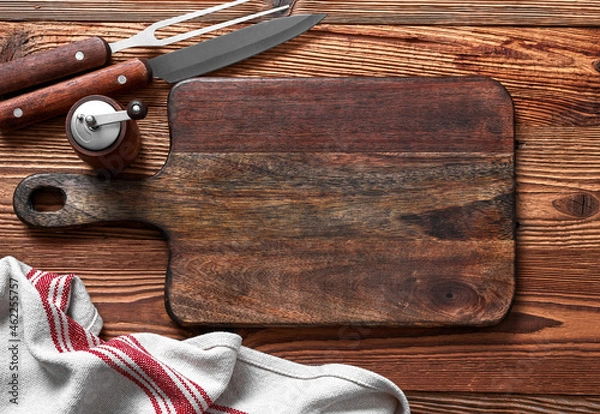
79, 55
122, 79
18, 112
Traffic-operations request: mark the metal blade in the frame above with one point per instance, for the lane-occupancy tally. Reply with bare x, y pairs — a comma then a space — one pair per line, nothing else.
225, 50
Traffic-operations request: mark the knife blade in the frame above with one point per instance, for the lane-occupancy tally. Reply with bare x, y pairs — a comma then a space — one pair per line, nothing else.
196, 60
94, 52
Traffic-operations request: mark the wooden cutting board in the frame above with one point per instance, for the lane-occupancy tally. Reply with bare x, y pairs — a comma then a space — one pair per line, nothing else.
369, 201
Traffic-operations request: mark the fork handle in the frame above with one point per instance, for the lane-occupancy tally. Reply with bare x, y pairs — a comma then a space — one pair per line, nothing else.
57, 99
53, 64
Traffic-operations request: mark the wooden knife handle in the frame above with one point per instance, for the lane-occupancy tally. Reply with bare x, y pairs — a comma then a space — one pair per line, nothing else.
57, 99
86, 200
53, 64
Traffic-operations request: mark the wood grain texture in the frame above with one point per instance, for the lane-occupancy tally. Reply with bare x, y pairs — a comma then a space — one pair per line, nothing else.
431, 12
371, 201
130, 11
429, 403
543, 358
348, 115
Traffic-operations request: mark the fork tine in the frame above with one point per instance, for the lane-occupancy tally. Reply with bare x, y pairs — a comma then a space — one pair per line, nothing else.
192, 15
147, 36
218, 26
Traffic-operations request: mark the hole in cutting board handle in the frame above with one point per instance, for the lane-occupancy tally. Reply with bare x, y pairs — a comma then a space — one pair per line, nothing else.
47, 199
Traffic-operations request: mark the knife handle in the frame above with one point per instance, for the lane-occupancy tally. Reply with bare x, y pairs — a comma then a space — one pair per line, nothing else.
54, 100
53, 64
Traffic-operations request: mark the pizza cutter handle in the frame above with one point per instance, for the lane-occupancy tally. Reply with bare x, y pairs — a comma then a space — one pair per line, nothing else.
84, 200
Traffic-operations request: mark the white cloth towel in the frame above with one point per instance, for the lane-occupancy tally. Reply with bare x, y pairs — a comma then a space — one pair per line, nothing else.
53, 361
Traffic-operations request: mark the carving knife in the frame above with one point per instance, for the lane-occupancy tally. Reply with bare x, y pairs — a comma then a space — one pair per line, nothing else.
134, 74
94, 52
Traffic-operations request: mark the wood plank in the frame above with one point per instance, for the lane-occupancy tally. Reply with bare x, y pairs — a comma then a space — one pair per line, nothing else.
545, 346
470, 12
550, 73
432, 12
120, 11
430, 403
408, 115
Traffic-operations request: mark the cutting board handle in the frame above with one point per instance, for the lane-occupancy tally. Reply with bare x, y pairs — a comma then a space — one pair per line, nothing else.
86, 199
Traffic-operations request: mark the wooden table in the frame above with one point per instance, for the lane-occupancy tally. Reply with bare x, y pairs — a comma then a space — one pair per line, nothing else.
544, 356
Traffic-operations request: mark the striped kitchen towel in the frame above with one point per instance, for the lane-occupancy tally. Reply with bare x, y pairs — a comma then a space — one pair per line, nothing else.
53, 361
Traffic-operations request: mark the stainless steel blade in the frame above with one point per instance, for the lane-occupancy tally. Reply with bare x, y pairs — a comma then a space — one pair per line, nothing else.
228, 49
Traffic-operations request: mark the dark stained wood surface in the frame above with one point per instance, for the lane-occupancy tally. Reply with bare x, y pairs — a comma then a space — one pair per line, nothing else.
323, 201
544, 357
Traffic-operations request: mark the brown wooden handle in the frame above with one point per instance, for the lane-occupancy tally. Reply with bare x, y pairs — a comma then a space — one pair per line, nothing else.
53, 64
57, 99
87, 199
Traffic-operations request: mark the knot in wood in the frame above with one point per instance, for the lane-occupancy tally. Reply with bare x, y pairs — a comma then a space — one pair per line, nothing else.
455, 297
580, 205
13, 46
